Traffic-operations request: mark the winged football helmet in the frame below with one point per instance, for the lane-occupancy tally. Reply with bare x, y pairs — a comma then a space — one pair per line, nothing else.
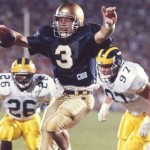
22, 71
110, 59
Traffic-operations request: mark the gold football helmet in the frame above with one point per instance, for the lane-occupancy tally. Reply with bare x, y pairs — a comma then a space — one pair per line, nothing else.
109, 58
68, 10
22, 71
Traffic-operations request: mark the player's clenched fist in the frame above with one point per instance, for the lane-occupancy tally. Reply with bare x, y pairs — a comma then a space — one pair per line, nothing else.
109, 16
7, 36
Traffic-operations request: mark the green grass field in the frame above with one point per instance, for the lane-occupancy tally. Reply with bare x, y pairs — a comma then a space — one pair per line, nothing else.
90, 134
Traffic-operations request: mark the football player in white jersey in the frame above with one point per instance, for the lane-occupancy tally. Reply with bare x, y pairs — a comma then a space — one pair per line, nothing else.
22, 92
127, 83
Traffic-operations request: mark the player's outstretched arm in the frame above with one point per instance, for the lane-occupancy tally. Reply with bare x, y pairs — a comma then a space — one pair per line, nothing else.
110, 19
9, 37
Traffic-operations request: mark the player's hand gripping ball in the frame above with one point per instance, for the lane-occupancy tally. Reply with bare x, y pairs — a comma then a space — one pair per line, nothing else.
7, 37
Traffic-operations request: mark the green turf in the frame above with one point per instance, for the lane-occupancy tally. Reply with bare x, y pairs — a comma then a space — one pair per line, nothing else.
90, 134
93, 135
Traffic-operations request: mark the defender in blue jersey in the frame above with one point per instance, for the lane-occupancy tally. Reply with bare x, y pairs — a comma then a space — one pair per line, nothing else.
72, 48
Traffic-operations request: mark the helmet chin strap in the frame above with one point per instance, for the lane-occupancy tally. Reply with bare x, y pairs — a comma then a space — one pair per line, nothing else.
22, 87
65, 34
105, 78
110, 78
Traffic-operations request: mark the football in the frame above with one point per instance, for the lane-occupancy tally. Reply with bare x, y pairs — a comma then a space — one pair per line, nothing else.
7, 37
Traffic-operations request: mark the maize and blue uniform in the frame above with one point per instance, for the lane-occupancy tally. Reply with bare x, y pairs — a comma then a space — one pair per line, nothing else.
131, 79
22, 108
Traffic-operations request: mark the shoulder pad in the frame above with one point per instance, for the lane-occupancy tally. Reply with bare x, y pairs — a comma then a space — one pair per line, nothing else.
5, 83
140, 80
125, 77
90, 27
44, 84
94, 27
46, 31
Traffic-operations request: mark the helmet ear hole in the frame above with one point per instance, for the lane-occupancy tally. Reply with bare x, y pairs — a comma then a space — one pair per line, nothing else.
22, 71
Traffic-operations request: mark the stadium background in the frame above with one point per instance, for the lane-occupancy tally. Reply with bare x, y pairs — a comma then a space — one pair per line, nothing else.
131, 35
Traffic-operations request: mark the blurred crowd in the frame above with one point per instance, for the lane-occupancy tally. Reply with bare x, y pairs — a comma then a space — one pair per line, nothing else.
131, 35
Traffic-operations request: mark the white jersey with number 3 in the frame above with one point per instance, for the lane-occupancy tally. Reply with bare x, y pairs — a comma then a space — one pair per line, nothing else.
130, 80
22, 105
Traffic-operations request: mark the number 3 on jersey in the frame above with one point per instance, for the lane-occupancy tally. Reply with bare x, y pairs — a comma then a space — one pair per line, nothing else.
65, 53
